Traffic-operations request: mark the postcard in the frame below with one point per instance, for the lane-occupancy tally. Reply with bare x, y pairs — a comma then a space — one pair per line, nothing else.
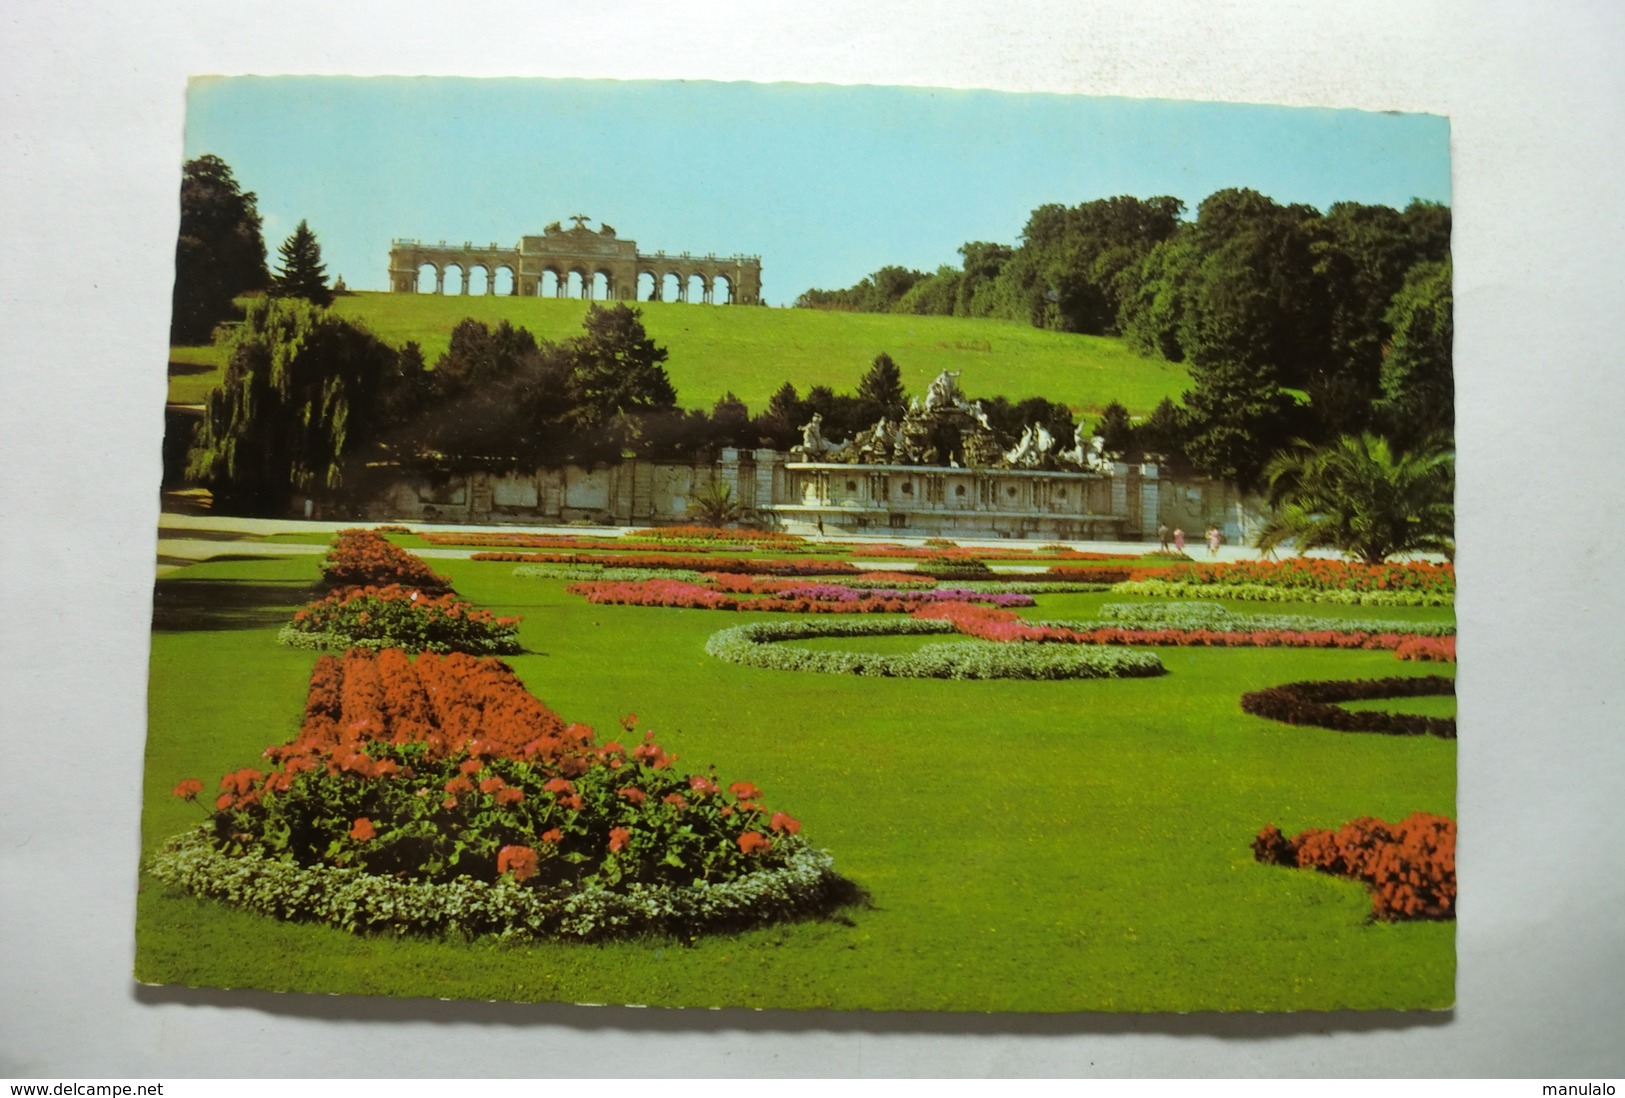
786, 546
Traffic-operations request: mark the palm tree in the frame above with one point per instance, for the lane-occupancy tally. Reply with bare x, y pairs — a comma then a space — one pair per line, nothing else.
1362, 495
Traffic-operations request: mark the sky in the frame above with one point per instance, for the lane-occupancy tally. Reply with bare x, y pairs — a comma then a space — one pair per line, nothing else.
826, 183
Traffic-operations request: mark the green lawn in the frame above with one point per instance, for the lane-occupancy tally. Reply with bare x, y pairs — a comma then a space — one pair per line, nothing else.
752, 351
1026, 846
194, 371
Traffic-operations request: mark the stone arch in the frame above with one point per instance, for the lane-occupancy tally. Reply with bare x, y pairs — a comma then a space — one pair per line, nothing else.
722, 290
648, 288
549, 285
502, 281
453, 279
671, 286
428, 278
697, 287
600, 285
575, 283
477, 280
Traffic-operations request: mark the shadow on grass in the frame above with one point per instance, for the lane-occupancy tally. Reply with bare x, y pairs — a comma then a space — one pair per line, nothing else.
1240, 1026
188, 369
204, 534
182, 605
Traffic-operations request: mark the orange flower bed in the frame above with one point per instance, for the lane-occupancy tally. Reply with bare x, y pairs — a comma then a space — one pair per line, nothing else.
361, 558
1410, 866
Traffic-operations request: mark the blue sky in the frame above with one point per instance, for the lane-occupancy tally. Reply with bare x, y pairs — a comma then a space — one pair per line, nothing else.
825, 183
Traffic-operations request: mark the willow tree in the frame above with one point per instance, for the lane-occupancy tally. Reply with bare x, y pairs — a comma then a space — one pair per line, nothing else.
303, 391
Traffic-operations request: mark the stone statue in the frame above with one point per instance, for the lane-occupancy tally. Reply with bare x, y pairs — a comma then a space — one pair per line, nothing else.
1029, 452
944, 392
553, 227
813, 443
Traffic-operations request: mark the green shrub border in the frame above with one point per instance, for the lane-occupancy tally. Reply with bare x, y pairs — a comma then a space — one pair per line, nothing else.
806, 886
757, 645
1256, 592
339, 642
1313, 704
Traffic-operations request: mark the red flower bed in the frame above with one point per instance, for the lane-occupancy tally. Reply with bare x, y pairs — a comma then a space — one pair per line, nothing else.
1430, 649
445, 767
450, 704
567, 541
989, 623
901, 579
692, 596
360, 558
1310, 573
1410, 866
1086, 575
717, 533
961, 552
748, 567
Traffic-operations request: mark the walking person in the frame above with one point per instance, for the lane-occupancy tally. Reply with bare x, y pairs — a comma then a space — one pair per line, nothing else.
1179, 540
1213, 540
1162, 536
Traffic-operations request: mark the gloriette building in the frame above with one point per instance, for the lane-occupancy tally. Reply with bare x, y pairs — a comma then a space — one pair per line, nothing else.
574, 262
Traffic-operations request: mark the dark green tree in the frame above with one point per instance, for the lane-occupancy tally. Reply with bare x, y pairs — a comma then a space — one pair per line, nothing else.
1163, 432
730, 422
780, 425
1116, 428
1236, 417
881, 389
219, 253
498, 398
1417, 380
303, 395
615, 368
301, 272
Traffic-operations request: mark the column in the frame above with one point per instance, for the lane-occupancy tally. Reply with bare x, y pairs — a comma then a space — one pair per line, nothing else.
1119, 489
767, 461
1148, 499
439, 280
728, 467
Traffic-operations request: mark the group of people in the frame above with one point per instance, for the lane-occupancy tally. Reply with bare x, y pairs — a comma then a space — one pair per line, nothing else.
1214, 539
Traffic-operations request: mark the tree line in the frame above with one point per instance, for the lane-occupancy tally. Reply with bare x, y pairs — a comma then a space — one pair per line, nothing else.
220, 254
1319, 346
1295, 324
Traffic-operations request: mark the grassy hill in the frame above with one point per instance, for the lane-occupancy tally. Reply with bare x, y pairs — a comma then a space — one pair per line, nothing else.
753, 351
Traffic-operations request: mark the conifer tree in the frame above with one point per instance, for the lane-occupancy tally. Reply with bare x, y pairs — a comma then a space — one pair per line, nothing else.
302, 273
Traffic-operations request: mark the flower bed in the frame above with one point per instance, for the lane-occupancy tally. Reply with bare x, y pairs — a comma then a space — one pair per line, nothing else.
400, 617
605, 572
1252, 592
655, 562
777, 596
1410, 866
1429, 649
444, 771
1085, 575
1311, 580
757, 645
361, 558
804, 885
1314, 704
951, 552
498, 540
991, 624
1210, 615
726, 535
